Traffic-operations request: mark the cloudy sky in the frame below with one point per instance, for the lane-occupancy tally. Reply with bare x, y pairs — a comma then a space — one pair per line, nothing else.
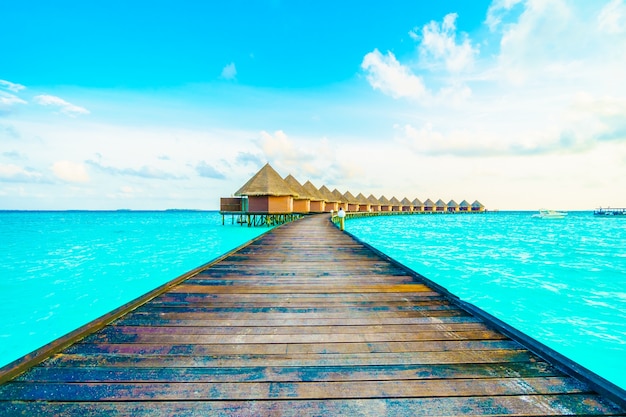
520, 104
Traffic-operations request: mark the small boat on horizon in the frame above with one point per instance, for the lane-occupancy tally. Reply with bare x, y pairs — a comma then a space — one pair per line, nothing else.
550, 214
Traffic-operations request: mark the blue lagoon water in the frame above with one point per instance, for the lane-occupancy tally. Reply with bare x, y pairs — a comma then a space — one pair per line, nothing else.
60, 270
563, 282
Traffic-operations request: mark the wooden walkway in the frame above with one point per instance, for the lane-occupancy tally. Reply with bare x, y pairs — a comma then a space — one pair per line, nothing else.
304, 321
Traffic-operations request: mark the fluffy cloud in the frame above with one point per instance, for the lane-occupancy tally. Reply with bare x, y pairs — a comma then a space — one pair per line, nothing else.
612, 17
15, 173
64, 106
229, 72
8, 85
8, 100
386, 74
70, 171
143, 172
439, 45
208, 171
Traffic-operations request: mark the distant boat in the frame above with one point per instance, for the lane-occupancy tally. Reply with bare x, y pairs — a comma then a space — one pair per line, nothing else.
550, 214
610, 212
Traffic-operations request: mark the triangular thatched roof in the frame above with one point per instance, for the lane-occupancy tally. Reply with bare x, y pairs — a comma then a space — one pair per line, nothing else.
477, 204
464, 203
383, 201
362, 199
417, 203
394, 201
406, 202
350, 198
297, 187
313, 192
429, 203
339, 197
328, 195
440, 203
266, 182
373, 200
452, 203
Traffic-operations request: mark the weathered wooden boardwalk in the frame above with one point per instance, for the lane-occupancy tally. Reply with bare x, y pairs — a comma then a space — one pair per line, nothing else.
304, 321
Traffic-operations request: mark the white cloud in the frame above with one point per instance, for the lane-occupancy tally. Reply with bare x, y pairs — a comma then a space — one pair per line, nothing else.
15, 173
307, 158
8, 85
229, 72
439, 45
70, 171
64, 106
8, 100
386, 74
612, 17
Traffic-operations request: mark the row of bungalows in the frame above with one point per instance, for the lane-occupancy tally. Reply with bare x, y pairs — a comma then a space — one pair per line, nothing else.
268, 193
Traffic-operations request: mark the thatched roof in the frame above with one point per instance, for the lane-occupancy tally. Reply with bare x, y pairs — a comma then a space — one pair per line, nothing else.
297, 187
328, 195
440, 203
373, 200
266, 182
362, 199
464, 203
405, 202
394, 201
417, 203
339, 197
350, 198
429, 203
452, 203
383, 201
313, 192
477, 204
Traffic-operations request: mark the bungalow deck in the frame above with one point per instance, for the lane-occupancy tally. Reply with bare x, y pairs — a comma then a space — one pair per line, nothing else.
302, 321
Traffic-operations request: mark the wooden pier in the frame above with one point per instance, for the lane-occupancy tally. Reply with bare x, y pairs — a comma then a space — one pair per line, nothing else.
303, 321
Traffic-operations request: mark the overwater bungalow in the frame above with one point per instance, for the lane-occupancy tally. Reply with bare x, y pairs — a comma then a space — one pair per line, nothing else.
396, 205
385, 204
353, 203
407, 206
301, 203
364, 204
465, 206
418, 205
374, 203
343, 203
453, 207
267, 192
477, 206
429, 206
332, 203
318, 201
440, 206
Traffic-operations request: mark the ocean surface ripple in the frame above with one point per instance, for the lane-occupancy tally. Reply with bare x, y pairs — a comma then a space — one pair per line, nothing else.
563, 282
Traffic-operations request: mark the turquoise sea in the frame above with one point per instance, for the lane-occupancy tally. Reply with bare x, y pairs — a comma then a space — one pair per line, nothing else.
60, 270
562, 282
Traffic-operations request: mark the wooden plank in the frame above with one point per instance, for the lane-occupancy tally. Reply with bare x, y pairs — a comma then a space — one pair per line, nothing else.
109, 391
525, 405
291, 373
354, 359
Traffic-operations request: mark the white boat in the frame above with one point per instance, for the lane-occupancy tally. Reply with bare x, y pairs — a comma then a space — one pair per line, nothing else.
550, 214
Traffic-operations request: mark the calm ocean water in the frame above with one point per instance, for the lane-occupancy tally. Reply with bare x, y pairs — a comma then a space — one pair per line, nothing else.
60, 270
562, 282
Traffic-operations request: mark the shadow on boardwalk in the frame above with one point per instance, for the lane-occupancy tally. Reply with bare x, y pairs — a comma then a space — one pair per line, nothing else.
303, 321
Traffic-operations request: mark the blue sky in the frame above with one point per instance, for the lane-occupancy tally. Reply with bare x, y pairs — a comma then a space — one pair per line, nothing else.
162, 104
